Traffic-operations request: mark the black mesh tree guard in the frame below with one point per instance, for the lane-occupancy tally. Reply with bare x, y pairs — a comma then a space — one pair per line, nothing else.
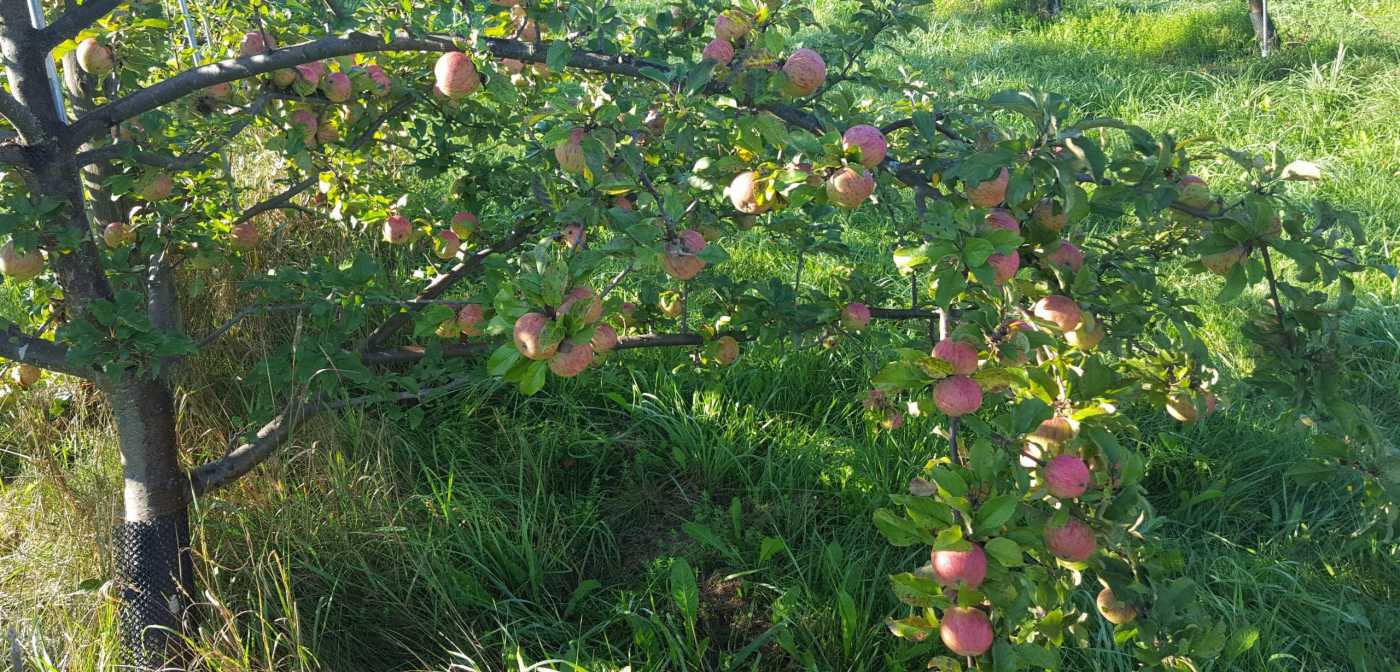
155, 579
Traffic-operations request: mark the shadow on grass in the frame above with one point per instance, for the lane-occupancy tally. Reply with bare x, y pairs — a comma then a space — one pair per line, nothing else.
551, 524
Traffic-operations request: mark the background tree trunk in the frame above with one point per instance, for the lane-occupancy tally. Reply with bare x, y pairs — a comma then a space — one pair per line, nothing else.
1265, 32
80, 90
154, 567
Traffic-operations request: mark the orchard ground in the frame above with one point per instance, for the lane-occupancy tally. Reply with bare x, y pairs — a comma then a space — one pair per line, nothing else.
504, 529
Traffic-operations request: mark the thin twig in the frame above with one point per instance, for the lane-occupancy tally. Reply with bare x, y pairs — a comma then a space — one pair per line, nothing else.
660, 206
612, 284
1273, 292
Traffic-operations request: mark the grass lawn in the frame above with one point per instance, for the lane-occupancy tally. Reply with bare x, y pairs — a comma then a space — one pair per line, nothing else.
502, 532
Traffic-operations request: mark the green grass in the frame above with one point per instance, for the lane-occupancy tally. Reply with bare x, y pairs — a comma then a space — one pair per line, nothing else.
502, 532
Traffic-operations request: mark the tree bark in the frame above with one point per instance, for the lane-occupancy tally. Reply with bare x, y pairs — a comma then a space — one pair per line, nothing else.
154, 566
1265, 32
153, 563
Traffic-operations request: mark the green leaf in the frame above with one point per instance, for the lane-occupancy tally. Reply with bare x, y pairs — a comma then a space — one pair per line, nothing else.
982, 458
1095, 122
909, 259
918, 629
927, 124
1004, 551
706, 536
1004, 658
926, 512
1016, 101
769, 548
976, 250
533, 379
584, 589
1029, 414
982, 165
712, 254
1039, 656
699, 76
1234, 284
899, 375
950, 538
1096, 378
950, 480
850, 617
918, 591
994, 513
104, 312
898, 530
1241, 641
684, 591
950, 283
773, 130
558, 56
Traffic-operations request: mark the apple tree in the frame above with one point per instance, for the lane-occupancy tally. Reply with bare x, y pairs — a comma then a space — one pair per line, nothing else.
599, 163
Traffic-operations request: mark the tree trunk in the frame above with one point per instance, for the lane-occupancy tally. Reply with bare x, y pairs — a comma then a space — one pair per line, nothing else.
1264, 30
154, 567
1046, 9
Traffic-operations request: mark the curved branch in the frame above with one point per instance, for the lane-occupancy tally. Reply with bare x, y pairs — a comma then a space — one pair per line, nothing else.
70, 23
196, 79
242, 459
26, 349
